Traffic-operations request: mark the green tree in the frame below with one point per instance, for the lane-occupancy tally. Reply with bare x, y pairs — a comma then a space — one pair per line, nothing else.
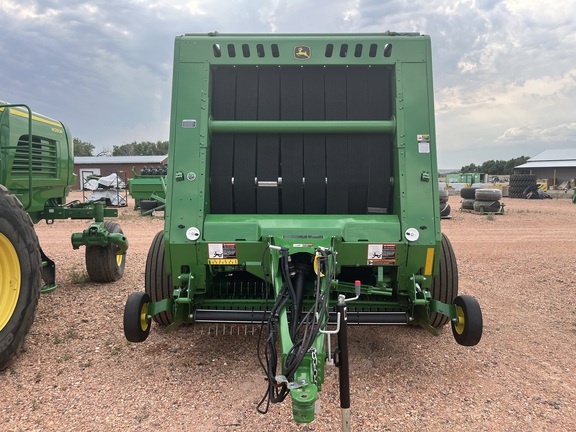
82, 148
472, 168
493, 167
144, 148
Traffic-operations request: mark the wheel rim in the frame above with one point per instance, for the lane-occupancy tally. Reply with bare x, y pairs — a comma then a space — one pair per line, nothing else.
459, 327
119, 258
10, 282
143, 317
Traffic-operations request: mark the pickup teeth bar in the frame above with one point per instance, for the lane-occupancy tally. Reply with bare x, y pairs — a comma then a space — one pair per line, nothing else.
256, 317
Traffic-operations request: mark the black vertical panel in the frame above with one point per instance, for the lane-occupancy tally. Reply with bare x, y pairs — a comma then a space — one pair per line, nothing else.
314, 144
380, 105
268, 163
336, 144
292, 165
222, 145
245, 144
358, 144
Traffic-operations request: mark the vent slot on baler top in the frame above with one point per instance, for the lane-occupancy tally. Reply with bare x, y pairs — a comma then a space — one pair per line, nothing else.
301, 173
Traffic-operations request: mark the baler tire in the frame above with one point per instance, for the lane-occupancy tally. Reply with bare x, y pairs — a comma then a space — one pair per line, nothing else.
445, 284
157, 283
136, 322
488, 194
468, 330
20, 276
105, 263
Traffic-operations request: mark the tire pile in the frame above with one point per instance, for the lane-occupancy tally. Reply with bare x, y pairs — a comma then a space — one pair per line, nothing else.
521, 184
481, 200
444, 206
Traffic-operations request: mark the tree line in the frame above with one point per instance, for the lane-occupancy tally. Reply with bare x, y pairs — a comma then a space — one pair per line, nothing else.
144, 148
148, 148
495, 166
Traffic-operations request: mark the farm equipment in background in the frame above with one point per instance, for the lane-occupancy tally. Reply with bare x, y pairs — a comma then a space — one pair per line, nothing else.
302, 194
36, 173
148, 189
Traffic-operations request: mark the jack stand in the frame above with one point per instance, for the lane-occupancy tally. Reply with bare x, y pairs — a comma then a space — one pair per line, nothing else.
343, 359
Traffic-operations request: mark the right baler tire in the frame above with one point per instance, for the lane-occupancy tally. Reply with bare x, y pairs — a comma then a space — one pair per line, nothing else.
445, 284
467, 204
20, 276
157, 283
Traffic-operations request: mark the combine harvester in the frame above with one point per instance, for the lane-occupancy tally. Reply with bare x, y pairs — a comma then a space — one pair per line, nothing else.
36, 173
302, 193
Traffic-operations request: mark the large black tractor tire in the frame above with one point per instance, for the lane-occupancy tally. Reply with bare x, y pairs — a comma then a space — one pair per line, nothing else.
488, 194
445, 284
136, 321
106, 263
468, 329
157, 284
20, 276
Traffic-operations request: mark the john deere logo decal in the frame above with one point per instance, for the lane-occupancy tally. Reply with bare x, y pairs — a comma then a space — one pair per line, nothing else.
302, 52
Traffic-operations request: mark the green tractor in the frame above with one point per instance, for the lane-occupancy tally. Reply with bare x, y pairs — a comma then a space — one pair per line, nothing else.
36, 173
302, 196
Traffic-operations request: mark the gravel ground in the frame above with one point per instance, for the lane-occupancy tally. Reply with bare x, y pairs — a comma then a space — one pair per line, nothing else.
78, 372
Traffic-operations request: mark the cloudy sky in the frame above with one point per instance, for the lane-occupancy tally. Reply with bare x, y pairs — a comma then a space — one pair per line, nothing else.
504, 70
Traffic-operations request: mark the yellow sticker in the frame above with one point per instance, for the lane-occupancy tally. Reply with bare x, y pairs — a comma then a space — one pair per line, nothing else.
220, 261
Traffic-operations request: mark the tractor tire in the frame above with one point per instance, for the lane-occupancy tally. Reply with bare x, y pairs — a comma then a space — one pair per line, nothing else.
147, 205
467, 204
444, 210
488, 194
445, 284
468, 329
487, 206
157, 284
514, 178
443, 193
468, 192
20, 276
136, 321
106, 263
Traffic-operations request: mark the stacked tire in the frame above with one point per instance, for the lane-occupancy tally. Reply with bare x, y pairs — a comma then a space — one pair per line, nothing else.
481, 200
519, 183
468, 195
444, 206
487, 200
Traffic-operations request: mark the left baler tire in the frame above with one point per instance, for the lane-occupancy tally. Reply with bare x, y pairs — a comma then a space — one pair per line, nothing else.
136, 321
445, 284
106, 263
20, 276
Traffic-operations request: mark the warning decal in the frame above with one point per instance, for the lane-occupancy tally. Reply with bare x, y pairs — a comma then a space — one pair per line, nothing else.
423, 143
381, 254
222, 253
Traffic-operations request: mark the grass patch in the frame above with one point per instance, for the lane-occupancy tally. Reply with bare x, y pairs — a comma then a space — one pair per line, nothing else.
79, 277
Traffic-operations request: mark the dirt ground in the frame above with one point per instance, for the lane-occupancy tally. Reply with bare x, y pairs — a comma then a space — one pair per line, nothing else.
78, 373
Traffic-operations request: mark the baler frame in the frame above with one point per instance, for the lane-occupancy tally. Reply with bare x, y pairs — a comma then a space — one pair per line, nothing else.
294, 179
